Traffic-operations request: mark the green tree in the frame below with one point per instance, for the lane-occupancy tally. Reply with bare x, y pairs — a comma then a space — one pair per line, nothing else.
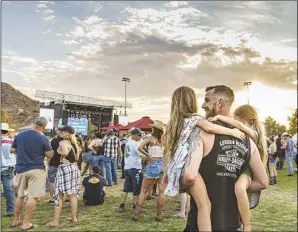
5, 117
282, 129
293, 123
271, 126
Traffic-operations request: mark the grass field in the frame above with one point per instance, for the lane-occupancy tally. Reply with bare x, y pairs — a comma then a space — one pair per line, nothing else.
277, 211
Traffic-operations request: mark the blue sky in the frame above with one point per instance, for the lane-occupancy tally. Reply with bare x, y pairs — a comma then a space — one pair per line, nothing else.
87, 47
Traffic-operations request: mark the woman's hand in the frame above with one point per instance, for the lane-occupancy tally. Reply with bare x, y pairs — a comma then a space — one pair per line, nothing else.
238, 134
215, 118
165, 179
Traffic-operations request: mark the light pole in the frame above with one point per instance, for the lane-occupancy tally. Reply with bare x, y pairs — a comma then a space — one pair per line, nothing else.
125, 80
247, 84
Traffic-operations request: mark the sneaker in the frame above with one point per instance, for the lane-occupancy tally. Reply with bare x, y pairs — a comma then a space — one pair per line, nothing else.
50, 202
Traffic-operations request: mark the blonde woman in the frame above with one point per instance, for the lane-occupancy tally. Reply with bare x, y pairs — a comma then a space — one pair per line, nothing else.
68, 176
154, 169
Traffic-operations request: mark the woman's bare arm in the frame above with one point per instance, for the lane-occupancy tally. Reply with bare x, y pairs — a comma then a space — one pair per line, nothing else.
260, 179
216, 129
142, 147
237, 124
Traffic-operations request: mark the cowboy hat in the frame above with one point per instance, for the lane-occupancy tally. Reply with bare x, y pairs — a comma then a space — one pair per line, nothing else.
5, 127
158, 124
285, 134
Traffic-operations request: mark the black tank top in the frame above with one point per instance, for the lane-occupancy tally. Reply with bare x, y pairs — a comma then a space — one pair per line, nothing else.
71, 155
220, 169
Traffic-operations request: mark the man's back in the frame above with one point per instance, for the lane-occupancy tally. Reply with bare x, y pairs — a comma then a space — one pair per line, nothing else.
225, 159
94, 185
30, 148
111, 144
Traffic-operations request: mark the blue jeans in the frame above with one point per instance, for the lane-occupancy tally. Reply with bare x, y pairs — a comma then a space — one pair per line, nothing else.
99, 160
6, 179
111, 170
289, 159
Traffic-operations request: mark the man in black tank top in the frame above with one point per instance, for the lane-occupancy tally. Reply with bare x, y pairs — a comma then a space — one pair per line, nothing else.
224, 160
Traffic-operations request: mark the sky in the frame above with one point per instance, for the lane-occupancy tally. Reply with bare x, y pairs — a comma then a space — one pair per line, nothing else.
86, 48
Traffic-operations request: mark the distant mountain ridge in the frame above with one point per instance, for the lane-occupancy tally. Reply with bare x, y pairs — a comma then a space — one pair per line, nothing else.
21, 108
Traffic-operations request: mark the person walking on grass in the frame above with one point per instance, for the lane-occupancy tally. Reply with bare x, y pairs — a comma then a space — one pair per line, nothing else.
132, 169
272, 161
31, 147
7, 169
68, 176
54, 163
112, 148
290, 151
154, 171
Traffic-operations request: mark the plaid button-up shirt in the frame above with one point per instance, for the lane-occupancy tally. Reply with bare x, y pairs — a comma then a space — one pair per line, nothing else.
111, 144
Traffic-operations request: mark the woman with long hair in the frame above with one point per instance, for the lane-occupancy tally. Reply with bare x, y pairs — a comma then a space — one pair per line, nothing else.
246, 119
272, 153
182, 147
68, 176
154, 169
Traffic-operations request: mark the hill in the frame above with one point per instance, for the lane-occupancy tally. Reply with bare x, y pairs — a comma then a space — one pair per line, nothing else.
20, 108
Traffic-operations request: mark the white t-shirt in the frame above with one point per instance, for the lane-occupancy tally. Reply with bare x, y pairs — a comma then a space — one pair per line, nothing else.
131, 155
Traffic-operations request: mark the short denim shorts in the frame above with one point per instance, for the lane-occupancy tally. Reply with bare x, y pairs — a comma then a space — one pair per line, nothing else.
52, 174
154, 169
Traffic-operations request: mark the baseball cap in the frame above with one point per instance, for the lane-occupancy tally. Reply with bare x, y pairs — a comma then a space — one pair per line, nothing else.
41, 121
136, 131
68, 129
96, 169
60, 128
110, 130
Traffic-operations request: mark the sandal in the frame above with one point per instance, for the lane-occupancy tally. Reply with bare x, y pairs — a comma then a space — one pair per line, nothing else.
17, 225
30, 228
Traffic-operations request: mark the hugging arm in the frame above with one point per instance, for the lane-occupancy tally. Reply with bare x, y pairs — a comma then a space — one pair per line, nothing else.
235, 123
216, 129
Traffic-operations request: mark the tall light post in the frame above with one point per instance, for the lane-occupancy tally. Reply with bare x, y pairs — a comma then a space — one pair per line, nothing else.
247, 84
125, 80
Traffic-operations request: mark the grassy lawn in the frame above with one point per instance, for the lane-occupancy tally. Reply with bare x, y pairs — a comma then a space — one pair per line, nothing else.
277, 211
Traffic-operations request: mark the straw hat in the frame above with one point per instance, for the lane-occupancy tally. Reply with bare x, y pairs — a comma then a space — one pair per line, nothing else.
285, 134
5, 126
158, 124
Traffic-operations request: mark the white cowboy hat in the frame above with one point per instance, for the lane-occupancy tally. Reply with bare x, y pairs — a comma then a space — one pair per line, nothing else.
5, 126
158, 124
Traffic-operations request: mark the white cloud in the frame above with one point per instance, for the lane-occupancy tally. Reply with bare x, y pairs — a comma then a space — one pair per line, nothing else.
47, 13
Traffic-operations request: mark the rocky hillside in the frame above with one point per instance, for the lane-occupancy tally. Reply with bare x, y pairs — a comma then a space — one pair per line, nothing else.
19, 107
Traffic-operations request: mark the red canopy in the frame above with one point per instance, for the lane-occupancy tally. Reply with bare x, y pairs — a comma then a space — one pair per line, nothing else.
116, 126
142, 124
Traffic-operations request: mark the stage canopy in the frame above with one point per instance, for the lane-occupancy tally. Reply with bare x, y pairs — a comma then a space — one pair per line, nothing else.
142, 123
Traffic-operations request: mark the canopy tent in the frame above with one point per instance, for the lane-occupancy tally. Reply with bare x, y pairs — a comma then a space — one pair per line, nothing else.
116, 126
142, 124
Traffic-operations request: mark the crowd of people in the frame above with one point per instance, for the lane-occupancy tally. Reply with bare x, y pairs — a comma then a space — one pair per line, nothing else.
216, 163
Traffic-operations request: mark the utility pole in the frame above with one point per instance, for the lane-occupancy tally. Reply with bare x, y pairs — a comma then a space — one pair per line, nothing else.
125, 80
247, 84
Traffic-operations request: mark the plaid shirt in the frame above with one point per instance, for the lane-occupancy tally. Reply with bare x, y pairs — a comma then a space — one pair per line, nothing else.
111, 144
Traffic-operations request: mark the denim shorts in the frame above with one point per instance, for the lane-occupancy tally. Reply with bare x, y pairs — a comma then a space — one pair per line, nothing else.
154, 170
272, 160
52, 174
